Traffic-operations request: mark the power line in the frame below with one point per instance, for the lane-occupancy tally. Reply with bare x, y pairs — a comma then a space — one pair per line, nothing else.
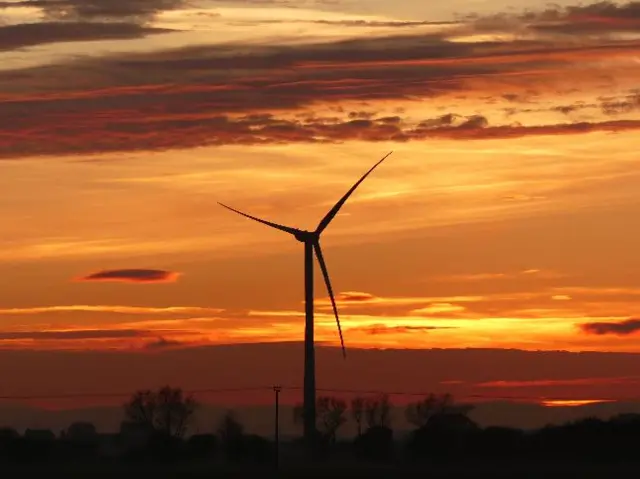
128, 394
364, 392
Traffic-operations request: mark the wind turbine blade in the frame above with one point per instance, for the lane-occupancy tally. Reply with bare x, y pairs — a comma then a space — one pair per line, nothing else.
325, 273
334, 211
286, 229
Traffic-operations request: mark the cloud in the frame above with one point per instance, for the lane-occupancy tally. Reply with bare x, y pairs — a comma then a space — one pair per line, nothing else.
84, 20
522, 197
598, 291
117, 309
500, 276
574, 402
237, 94
475, 277
364, 23
66, 133
617, 106
30, 34
376, 329
163, 343
74, 334
439, 308
603, 17
354, 297
100, 10
608, 105
599, 17
558, 382
622, 328
133, 276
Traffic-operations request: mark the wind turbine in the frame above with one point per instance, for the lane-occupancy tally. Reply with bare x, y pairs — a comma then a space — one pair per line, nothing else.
311, 240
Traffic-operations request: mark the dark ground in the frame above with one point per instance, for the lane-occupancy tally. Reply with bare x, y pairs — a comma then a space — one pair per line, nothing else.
468, 470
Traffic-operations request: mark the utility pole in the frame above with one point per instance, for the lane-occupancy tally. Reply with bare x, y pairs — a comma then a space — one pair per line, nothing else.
276, 390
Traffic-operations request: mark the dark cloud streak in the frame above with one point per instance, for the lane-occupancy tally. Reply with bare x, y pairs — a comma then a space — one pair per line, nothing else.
132, 276
376, 329
598, 18
355, 297
246, 95
622, 328
163, 343
137, 11
114, 132
31, 34
74, 335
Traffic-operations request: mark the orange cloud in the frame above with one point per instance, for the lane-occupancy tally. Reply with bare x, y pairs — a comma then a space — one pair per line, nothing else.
73, 334
113, 339
490, 276
116, 309
438, 308
354, 298
560, 382
377, 329
573, 402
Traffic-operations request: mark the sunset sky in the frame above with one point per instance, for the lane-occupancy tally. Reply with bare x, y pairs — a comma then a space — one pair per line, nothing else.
506, 217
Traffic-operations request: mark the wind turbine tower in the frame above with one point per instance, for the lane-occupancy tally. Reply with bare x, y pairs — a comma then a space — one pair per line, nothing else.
311, 241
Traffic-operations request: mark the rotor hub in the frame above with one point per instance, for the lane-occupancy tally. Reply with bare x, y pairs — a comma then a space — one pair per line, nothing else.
305, 236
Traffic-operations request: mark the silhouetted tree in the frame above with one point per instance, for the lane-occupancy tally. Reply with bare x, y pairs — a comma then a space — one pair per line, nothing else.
231, 433
498, 441
357, 412
256, 449
202, 446
331, 416
419, 413
229, 428
167, 411
626, 418
375, 444
240, 446
298, 413
8, 433
81, 432
446, 431
8, 439
134, 434
377, 411
36, 445
80, 439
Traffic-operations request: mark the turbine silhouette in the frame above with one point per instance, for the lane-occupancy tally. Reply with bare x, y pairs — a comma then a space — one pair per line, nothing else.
311, 240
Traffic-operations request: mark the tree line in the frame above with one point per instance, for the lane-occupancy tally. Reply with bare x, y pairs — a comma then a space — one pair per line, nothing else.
156, 427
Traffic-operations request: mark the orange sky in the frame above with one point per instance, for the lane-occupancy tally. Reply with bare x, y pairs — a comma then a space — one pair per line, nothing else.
504, 218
